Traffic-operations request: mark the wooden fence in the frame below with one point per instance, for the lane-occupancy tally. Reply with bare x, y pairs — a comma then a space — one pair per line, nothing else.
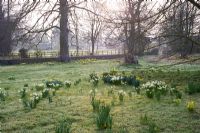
32, 57
55, 54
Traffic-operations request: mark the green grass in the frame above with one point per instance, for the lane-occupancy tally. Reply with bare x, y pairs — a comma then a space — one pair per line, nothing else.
74, 103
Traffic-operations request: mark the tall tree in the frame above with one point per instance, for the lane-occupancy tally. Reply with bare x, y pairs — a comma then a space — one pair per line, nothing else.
179, 27
64, 31
134, 31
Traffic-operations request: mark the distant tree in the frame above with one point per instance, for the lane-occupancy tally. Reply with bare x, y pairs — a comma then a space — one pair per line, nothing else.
179, 27
96, 24
75, 29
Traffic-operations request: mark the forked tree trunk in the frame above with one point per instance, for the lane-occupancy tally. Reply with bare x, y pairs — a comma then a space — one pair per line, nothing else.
64, 31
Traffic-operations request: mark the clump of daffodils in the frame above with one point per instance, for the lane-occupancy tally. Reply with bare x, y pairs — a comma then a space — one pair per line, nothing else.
34, 100
94, 79
45, 92
56, 86
191, 106
116, 80
67, 83
39, 87
23, 92
121, 95
36, 96
155, 88
153, 84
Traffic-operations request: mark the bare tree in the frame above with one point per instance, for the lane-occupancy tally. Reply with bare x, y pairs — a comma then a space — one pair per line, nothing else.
95, 23
179, 25
49, 14
75, 25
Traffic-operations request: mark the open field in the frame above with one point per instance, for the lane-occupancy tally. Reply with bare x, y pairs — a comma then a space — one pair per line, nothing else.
74, 103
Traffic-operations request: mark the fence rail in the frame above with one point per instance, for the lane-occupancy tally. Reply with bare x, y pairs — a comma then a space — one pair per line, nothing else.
55, 54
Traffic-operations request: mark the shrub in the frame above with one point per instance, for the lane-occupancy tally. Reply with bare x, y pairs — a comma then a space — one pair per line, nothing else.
67, 84
64, 126
191, 106
38, 53
193, 88
103, 119
39, 87
3, 94
23, 53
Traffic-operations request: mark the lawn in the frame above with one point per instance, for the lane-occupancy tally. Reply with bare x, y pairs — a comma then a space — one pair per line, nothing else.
136, 113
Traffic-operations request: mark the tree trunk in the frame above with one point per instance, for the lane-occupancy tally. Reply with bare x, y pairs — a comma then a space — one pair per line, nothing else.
64, 31
77, 43
93, 42
130, 56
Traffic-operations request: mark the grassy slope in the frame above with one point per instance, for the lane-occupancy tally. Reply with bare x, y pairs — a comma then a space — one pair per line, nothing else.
75, 103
